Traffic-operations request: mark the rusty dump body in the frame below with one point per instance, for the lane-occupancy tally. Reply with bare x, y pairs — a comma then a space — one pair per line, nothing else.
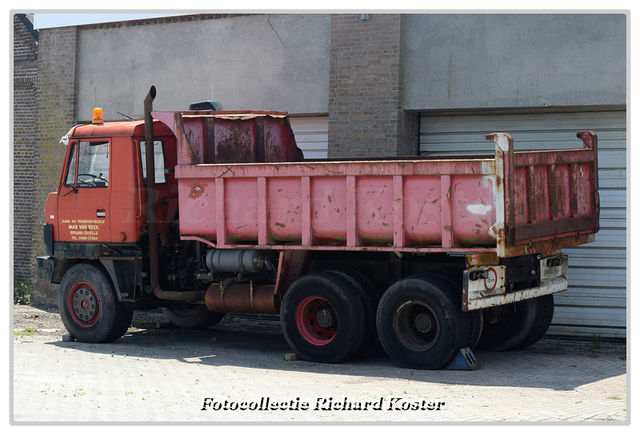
510, 204
513, 203
207, 212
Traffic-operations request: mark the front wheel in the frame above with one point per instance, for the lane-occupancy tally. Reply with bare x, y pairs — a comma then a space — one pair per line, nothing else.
89, 307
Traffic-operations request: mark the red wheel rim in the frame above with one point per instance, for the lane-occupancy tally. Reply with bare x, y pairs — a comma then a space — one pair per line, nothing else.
84, 304
316, 321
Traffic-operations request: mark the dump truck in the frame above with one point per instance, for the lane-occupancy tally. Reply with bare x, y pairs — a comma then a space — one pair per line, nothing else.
204, 212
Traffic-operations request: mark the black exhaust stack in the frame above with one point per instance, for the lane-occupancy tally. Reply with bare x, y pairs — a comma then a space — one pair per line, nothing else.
189, 296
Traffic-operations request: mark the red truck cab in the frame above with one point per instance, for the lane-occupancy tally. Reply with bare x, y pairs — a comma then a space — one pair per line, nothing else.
101, 196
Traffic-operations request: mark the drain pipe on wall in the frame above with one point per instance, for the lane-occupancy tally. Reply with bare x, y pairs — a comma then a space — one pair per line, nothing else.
188, 296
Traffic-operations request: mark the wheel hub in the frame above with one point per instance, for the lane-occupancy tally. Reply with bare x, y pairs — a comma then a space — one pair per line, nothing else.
416, 325
316, 321
84, 305
423, 323
325, 318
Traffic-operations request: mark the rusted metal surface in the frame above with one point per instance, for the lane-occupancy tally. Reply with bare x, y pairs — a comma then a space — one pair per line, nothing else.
546, 245
242, 298
488, 287
381, 204
482, 259
510, 203
551, 198
231, 137
558, 189
554, 286
291, 266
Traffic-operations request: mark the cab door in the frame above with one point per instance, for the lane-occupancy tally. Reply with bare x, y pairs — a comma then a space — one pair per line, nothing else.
83, 203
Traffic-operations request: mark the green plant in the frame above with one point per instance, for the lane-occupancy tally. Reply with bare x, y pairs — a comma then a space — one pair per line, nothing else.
22, 292
557, 344
24, 332
596, 341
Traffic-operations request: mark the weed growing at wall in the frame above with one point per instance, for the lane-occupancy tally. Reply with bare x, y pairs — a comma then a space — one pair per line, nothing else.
22, 292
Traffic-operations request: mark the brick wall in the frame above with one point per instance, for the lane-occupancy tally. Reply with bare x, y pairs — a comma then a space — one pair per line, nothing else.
366, 86
25, 55
57, 60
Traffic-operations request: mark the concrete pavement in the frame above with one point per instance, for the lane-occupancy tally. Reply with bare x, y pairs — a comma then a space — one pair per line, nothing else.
236, 372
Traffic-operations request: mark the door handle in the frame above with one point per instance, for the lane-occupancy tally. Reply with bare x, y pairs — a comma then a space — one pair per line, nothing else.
101, 213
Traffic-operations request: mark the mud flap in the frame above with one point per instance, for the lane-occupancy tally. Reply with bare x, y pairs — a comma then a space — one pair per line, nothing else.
46, 266
464, 360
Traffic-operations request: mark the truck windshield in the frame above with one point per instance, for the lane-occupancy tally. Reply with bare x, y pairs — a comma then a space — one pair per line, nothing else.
92, 165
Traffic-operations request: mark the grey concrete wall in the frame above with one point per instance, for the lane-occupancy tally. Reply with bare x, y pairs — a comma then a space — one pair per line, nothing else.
281, 62
264, 62
460, 61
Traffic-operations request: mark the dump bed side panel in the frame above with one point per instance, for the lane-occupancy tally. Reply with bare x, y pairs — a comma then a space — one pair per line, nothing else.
417, 205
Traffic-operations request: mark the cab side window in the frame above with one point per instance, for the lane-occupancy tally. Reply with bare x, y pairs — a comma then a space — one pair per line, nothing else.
70, 181
92, 165
159, 161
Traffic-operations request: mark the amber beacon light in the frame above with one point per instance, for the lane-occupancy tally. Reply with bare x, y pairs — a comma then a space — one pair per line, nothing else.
97, 116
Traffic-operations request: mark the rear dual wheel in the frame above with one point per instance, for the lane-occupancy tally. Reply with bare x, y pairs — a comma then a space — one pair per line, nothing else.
323, 317
476, 317
192, 316
516, 326
420, 322
369, 299
329, 317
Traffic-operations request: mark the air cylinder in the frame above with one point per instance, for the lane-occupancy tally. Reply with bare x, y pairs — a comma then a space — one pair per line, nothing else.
235, 260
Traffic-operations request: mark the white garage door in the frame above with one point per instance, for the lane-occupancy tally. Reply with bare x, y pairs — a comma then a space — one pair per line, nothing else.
595, 303
312, 135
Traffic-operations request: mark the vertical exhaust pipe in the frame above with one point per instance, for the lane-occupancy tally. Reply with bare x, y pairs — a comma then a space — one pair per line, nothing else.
154, 269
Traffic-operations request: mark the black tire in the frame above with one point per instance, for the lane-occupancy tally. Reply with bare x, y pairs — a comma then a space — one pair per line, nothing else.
192, 316
544, 314
322, 318
420, 322
518, 325
477, 327
476, 318
89, 307
370, 300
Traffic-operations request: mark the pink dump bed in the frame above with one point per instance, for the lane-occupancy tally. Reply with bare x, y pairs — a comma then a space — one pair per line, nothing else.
512, 203
349, 204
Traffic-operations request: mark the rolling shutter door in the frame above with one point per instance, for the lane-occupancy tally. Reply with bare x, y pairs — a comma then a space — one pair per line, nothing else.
596, 300
312, 135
